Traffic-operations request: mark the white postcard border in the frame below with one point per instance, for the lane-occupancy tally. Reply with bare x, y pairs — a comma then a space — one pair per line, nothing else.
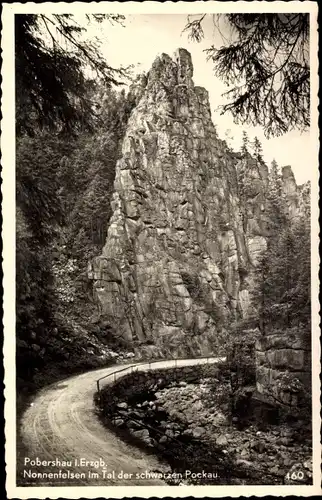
8, 237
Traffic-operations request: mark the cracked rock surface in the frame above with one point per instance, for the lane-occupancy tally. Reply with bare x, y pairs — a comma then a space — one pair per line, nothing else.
179, 259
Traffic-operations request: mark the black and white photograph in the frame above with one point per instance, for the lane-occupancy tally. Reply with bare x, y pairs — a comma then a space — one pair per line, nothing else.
160, 183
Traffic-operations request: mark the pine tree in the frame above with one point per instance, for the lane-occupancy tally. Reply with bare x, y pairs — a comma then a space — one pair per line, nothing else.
275, 180
276, 203
260, 292
245, 144
242, 169
282, 291
39, 214
299, 294
257, 150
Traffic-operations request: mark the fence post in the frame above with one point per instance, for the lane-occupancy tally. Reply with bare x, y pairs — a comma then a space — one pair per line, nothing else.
98, 385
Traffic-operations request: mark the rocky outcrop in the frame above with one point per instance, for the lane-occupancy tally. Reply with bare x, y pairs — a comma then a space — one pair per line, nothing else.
181, 251
283, 367
298, 197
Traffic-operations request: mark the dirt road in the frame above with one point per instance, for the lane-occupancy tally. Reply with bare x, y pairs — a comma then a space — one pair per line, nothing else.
61, 425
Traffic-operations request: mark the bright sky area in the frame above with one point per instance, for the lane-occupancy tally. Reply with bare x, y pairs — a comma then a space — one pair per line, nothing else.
146, 36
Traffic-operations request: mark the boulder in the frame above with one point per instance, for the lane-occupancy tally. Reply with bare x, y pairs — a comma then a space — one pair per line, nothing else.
142, 434
123, 405
246, 463
198, 432
163, 440
221, 440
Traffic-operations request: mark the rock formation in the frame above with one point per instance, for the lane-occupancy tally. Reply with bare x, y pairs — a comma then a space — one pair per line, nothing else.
278, 356
182, 247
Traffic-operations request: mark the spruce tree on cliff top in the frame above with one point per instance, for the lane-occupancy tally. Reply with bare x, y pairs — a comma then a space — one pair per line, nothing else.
265, 61
258, 150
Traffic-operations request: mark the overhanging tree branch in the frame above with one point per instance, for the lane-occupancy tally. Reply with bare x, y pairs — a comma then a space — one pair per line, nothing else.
261, 48
52, 87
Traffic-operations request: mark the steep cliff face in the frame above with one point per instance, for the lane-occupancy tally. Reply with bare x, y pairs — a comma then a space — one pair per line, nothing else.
182, 243
298, 197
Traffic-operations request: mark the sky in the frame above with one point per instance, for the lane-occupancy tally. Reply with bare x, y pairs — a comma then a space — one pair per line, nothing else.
145, 36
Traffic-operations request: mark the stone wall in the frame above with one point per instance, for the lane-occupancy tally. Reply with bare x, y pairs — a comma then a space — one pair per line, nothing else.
283, 354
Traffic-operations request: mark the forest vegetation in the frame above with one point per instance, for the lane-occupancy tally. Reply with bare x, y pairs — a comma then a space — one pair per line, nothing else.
68, 137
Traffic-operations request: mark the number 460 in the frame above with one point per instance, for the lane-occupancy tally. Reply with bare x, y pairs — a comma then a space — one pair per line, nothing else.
296, 475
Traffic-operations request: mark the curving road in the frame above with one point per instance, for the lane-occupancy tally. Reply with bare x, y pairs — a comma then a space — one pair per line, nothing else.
62, 425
